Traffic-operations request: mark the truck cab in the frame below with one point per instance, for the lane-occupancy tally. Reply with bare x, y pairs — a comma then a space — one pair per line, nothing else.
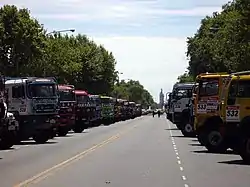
67, 103
132, 109
34, 102
182, 94
138, 110
118, 109
107, 110
82, 118
206, 102
95, 99
169, 110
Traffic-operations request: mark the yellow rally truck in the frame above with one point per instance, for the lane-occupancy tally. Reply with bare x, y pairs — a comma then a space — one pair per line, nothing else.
206, 103
235, 113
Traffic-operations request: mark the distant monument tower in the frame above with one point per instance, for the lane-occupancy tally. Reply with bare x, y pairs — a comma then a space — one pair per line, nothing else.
161, 99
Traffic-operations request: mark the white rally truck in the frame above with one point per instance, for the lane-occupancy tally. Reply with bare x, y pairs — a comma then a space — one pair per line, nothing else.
181, 98
34, 102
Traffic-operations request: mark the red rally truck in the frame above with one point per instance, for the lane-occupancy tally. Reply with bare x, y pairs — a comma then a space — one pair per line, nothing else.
67, 101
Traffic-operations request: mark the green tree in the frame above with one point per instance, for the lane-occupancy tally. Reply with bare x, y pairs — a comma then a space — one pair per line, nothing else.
185, 78
22, 40
133, 91
221, 44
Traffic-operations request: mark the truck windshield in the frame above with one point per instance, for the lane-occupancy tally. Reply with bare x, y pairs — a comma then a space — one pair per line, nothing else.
82, 98
67, 95
209, 87
41, 90
182, 93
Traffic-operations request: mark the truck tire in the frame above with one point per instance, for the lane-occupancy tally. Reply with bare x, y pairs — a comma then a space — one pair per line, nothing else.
7, 140
78, 129
42, 137
187, 130
245, 150
215, 142
63, 131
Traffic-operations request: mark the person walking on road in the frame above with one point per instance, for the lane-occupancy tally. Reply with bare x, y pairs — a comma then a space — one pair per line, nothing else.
159, 113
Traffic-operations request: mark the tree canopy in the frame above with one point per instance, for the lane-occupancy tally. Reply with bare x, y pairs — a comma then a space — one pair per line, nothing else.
26, 49
133, 91
221, 44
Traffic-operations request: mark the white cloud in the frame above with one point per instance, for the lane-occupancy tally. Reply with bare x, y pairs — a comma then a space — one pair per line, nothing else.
156, 61
105, 10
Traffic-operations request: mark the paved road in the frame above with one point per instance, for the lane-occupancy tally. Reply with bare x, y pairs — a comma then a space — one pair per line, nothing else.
142, 152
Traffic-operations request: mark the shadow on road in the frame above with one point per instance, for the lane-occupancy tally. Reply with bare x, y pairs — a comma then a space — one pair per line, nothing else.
181, 137
34, 143
173, 129
234, 162
195, 140
229, 152
68, 135
7, 149
195, 144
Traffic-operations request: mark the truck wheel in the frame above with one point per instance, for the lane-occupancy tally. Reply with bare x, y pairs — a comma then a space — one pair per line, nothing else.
42, 137
188, 130
62, 131
215, 142
7, 141
201, 139
78, 129
245, 150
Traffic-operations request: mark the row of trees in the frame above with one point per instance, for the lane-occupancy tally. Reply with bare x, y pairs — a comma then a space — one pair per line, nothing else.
221, 44
26, 49
133, 90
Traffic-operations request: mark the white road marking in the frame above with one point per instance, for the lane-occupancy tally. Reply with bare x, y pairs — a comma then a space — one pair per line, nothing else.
184, 178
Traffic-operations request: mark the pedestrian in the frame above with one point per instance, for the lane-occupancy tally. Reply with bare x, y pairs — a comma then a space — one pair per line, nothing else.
159, 113
153, 114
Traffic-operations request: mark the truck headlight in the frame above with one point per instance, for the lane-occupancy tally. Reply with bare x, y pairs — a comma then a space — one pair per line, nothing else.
52, 121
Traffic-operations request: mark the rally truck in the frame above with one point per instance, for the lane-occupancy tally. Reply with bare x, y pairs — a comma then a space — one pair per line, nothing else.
138, 110
8, 125
182, 94
132, 109
107, 110
82, 111
234, 126
125, 110
231, 129
206, 104
34, 103
118, 109
67, 104
169, 107
95, 99
187, 128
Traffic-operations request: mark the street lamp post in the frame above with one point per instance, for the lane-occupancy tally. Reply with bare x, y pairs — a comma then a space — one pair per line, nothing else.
60, 31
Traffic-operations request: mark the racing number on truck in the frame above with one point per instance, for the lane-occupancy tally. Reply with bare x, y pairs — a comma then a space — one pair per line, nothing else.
201, 108
233, 114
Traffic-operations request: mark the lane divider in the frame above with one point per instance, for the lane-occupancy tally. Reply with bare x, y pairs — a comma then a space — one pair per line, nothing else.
184, 178
45, 174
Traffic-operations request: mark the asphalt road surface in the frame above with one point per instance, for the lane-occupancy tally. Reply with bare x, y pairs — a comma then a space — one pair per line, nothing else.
144, 152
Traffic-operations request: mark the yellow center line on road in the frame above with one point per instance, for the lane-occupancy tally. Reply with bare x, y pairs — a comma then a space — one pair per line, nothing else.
39, 177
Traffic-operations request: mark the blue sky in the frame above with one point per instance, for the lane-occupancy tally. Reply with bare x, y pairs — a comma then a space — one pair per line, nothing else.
147, 37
